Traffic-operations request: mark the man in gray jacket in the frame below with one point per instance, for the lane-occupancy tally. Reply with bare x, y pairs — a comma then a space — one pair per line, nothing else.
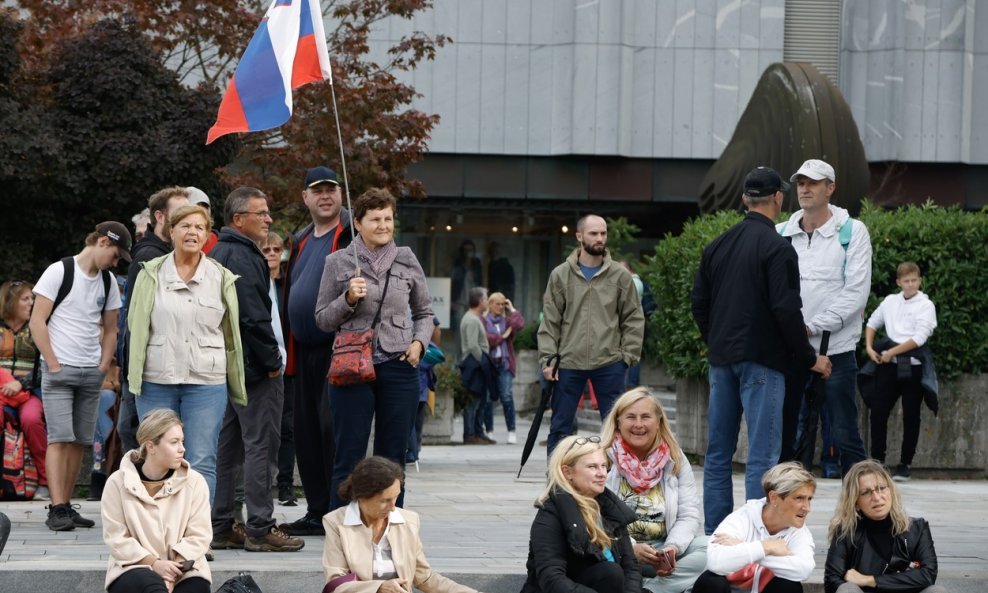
473, 344
592, 318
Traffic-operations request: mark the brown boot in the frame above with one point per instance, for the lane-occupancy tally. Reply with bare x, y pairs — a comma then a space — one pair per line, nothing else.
275, 540
231, 539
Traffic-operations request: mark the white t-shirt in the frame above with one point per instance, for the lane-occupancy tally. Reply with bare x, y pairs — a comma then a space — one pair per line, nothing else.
74, 328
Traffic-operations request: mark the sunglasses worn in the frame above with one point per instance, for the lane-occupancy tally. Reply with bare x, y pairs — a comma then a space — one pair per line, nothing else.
271, 250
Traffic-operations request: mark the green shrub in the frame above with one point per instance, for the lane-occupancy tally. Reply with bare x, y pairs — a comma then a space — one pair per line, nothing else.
949, 244
448, 380
527, 338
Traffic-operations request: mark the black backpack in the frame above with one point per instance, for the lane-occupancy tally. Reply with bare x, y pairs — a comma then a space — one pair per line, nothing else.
68, 276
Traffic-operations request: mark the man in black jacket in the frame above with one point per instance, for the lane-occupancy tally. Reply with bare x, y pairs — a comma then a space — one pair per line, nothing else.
250, 434
747, 306
154, 243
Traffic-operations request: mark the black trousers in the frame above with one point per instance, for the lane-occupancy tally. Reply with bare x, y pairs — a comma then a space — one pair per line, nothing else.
145, 580
286, 450
710, 582
888, 388
602, 577
315, 445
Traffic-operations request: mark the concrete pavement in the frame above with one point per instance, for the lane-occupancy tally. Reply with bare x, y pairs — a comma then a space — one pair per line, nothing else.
475, 521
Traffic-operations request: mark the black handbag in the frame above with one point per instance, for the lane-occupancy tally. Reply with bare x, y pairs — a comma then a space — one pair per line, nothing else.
242, 583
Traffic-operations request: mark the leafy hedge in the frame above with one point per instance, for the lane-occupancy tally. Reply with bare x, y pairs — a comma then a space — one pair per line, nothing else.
949, 244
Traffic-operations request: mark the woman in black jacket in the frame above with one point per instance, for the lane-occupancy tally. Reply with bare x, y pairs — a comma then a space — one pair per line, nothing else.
579, 541
874, 545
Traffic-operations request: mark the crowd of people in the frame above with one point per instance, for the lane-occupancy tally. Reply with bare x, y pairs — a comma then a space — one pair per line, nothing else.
238, 361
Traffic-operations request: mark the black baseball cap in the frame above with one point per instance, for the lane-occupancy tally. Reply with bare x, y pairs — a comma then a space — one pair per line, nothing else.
317, 175
764, 181
118, 234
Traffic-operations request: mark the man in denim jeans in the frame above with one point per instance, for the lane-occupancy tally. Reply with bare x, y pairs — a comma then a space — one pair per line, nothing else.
747, 306
77, 337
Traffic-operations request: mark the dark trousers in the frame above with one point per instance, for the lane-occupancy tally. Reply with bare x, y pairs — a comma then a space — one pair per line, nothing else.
888, 388
286, 451
145, 580
127, 420
791, 406
315, 447
709, 582
249, 437
389, 402
608, 383
602, 577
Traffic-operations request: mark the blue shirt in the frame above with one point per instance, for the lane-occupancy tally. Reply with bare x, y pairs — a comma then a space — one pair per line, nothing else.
306, 276
588, 272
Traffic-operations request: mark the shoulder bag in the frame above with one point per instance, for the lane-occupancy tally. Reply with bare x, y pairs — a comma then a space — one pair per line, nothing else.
353, 351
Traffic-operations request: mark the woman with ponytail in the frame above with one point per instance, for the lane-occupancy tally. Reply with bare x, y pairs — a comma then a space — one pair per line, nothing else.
156, 514
579, 540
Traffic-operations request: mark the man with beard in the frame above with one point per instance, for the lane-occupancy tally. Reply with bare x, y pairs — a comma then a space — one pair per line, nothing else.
593, 319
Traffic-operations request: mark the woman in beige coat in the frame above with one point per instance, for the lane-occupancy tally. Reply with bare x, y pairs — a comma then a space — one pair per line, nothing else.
373, 546
156, 515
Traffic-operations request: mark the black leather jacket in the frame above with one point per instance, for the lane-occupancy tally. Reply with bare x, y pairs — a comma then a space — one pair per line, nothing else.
913, 566
560, 546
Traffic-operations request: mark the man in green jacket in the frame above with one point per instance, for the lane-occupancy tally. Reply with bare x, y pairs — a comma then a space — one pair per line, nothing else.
593, 319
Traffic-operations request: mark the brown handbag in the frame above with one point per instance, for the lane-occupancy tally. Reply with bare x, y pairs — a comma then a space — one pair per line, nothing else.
353, 351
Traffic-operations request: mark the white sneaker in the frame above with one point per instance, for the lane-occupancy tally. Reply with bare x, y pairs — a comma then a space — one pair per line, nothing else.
512, 438
42, 493
490, 435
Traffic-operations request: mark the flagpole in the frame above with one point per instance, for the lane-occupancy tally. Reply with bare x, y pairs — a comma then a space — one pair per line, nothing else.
346, 182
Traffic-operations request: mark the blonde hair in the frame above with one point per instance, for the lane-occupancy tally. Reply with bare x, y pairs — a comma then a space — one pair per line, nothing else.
183, 212
611, 427
567, 453
496, 297
845, 520
152, 428
786, 478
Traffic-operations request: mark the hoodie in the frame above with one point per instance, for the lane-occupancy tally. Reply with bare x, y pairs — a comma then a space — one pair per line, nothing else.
833, 283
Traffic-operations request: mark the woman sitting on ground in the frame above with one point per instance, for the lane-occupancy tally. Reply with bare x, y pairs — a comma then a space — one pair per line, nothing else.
874, 545
579, 539
650, 473
371, 545
765, 545
156, 515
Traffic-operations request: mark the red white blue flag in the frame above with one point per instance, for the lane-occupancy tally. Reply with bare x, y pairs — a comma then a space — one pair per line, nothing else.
287, 51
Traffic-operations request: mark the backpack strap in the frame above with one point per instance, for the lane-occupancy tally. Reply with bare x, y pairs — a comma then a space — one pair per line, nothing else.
106, 287
844, 236
68, 277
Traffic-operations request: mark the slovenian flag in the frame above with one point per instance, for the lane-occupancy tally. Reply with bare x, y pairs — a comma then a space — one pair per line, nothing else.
287, 51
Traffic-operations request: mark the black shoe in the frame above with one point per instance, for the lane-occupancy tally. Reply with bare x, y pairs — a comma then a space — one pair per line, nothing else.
78, 519
307, 525
902, 473
4, 531
286, 496
97, 480
59, 518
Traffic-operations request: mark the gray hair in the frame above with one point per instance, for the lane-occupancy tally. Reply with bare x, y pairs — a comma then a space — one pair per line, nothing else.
236, 202
476, 296
786, 478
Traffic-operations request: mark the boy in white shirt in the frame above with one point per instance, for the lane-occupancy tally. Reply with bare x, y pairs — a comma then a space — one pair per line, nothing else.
75, 329
909, 318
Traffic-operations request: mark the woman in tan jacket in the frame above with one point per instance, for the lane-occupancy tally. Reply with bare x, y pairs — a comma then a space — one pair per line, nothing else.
372, 546
156, 515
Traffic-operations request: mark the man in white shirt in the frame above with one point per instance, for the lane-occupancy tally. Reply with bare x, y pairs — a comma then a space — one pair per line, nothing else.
74, 325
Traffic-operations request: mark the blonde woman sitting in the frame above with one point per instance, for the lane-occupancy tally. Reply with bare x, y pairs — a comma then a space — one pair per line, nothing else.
156, 515
579, 540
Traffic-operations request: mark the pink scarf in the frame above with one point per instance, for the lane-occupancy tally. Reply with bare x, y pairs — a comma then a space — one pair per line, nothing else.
641, 474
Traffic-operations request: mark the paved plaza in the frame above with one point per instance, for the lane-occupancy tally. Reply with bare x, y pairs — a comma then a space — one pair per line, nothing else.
475, 522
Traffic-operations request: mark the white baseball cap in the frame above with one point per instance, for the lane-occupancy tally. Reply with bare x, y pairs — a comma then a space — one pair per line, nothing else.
197, 196
815, 169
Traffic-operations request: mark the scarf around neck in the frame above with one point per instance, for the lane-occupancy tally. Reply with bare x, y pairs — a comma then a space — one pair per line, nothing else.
641, 474
380, 259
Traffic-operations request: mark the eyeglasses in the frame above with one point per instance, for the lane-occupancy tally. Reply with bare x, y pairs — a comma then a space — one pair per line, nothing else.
880, 490
271, 249
261, 213
580, 441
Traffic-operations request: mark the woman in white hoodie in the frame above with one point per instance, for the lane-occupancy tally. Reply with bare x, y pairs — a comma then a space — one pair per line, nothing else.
765, 546
156, 515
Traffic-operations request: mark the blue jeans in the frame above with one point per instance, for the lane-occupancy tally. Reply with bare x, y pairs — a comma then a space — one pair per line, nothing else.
504, 381
841, 407
104, 424
389, 402
473, 416
201, 408
608, 384
758, 392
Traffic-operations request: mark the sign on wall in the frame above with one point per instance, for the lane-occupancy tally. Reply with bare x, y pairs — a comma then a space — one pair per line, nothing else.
439, 289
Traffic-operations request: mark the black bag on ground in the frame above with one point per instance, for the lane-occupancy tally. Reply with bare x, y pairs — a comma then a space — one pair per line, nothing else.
242, 583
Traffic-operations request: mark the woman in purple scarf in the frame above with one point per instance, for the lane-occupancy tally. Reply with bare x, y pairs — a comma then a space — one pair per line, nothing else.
503, 322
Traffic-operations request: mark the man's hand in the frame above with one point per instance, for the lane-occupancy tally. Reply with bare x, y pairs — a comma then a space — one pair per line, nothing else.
873, 355
822, 366
550, 374
886, 357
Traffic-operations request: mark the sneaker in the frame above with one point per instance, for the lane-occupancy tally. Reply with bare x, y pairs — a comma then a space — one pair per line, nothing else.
231, 539
42, 493
307, 525
489, 440
78, 519
902, 473
477, 440
59, 518
512, 438
286, 496
275, 540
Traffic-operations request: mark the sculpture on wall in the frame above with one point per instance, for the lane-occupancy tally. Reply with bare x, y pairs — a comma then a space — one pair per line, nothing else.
794, 114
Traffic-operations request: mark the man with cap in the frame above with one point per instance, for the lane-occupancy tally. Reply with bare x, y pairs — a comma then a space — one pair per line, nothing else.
746, 304
310, 348
835, 280
74, 325
197, 196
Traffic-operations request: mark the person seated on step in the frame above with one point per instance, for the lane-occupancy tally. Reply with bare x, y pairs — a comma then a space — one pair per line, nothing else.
156, 514
372, 546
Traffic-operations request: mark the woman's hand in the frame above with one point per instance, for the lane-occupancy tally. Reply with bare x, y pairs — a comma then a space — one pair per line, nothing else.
722, 539
856, 578
670, 552
776, 547
646, 554
393, 586
356, 290
413, 353
11, 388
508, 307
169, 570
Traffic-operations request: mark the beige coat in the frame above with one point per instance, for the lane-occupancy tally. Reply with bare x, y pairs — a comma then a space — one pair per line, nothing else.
175, 522
348, 555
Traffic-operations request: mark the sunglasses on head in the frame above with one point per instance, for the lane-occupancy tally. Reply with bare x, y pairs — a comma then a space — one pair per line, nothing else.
579, 442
